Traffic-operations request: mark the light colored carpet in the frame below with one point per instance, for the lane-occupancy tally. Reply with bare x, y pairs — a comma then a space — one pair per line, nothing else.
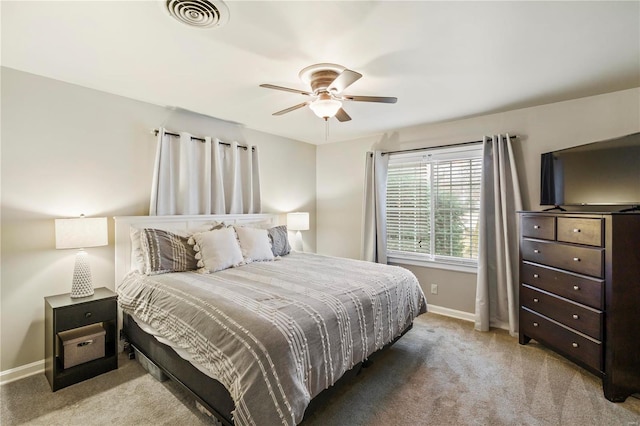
440, 373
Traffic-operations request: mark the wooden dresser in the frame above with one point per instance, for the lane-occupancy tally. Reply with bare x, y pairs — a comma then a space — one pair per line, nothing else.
580, 292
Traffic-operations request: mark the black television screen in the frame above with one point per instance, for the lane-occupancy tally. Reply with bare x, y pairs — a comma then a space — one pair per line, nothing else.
596, 174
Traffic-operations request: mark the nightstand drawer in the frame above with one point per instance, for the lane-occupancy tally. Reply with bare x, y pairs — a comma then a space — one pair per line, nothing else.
543, 227
580, 231
561, 339
584, 260
84, 314
573, 315
581, 289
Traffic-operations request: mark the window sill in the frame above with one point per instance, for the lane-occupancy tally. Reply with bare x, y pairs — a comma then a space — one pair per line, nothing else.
470, 269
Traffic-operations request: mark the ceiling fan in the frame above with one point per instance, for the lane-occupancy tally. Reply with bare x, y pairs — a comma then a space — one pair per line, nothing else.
327, 81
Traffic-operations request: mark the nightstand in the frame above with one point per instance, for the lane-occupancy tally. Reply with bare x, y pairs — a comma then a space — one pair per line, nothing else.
63, 313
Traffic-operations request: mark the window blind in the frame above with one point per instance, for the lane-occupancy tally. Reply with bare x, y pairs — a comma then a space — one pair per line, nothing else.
433, 204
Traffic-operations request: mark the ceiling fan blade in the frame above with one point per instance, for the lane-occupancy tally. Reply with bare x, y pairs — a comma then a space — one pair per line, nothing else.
342, 115
286, 89
344, 80
383, 99
293, 108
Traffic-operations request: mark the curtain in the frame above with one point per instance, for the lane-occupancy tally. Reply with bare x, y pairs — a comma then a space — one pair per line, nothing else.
374, 230
497, 285
210, 177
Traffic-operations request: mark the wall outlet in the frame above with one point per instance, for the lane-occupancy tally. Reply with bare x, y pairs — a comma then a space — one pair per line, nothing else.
434, 288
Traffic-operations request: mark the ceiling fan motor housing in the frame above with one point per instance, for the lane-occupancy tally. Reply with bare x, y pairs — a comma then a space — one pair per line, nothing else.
321, 80
320, 76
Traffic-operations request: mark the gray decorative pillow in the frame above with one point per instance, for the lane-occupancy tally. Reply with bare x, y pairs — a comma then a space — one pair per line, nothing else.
165, 251
279, 240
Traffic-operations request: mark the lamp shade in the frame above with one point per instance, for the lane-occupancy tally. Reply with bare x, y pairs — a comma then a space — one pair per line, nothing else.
298, 221
325, 106
81, 232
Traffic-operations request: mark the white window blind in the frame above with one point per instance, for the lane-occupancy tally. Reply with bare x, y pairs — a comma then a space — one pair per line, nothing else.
433, 203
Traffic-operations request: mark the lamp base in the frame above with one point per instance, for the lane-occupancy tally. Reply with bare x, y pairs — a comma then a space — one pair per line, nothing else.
82, 285
298, 246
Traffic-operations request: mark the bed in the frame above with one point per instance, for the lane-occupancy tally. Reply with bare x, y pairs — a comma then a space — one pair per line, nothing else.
256, 343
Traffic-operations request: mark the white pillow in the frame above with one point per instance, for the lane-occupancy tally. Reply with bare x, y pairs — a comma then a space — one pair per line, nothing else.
216, 250
254, 243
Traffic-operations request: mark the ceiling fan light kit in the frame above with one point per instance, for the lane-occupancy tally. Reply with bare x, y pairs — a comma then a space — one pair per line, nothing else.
325, 107
327, 81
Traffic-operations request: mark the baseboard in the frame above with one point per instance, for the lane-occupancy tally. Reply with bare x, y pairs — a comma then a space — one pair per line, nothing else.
21, 372
467, 316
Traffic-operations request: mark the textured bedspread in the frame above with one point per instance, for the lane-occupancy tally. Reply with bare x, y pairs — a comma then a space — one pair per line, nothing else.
276, 334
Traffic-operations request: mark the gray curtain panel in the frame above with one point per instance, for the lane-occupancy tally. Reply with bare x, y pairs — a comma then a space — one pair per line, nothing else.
374, 228
497, 285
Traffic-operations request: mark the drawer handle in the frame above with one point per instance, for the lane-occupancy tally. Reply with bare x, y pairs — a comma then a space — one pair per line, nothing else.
536, 251
576, 230
576, 259
535, 300
535, 324
574, 316
87, 314
85, 343
536, 226
575, 345
536, 276
576, 287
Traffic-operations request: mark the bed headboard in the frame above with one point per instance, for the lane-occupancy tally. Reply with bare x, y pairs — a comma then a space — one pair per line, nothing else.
125, 223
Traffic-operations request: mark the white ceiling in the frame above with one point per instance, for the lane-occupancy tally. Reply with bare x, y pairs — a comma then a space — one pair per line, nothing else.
442, 60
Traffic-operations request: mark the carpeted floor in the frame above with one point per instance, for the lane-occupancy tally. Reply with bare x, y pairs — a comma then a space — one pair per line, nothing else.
440, 373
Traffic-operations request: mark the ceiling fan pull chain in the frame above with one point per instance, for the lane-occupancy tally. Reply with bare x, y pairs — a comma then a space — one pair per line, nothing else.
326, 130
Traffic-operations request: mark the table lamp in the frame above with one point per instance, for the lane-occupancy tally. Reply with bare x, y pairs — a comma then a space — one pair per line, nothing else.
298, 221
80, 233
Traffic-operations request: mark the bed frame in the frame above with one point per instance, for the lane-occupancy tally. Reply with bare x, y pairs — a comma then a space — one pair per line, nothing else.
208, 392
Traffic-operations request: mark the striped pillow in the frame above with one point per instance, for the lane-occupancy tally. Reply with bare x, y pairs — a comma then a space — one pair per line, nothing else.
165, 251
279, 240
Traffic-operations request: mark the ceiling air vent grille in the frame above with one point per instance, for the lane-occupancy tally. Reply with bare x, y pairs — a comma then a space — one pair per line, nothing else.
199, 13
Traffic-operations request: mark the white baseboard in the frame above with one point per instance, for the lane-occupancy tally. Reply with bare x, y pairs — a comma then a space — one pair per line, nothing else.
467, 316
21, 372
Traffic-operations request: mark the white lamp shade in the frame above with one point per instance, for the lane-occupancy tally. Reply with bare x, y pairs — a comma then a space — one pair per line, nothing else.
325, 108
81, 232
298, 221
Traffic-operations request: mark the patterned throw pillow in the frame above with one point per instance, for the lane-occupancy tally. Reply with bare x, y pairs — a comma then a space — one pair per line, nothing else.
164, 251
279, 240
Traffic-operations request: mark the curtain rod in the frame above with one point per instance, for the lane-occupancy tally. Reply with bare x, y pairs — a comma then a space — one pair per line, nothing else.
195, 138
439, 146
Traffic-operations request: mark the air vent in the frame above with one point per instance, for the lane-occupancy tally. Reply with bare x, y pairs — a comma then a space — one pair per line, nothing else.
199, 13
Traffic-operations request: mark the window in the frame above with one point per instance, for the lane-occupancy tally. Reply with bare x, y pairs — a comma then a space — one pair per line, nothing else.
433, 204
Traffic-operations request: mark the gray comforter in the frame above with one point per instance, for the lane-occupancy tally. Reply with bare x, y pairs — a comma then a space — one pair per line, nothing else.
276, 334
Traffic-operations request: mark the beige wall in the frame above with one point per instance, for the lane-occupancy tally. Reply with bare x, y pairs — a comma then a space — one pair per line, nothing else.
68, 150
340, 169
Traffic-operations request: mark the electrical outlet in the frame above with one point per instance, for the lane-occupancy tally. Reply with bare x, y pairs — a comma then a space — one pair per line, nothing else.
434, 288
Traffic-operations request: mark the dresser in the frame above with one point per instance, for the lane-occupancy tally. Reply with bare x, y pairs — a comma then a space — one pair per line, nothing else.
580, 292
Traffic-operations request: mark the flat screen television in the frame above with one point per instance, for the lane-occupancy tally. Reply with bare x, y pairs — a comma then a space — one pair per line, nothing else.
604, 173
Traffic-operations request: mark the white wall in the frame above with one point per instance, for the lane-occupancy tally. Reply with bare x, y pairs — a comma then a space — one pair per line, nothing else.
340, 169
68, 150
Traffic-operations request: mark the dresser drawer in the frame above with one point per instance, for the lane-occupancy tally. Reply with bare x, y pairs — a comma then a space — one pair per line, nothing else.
581, 318
581, 289
543, 227
580, 230
84, 314
562, 339
584, 260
